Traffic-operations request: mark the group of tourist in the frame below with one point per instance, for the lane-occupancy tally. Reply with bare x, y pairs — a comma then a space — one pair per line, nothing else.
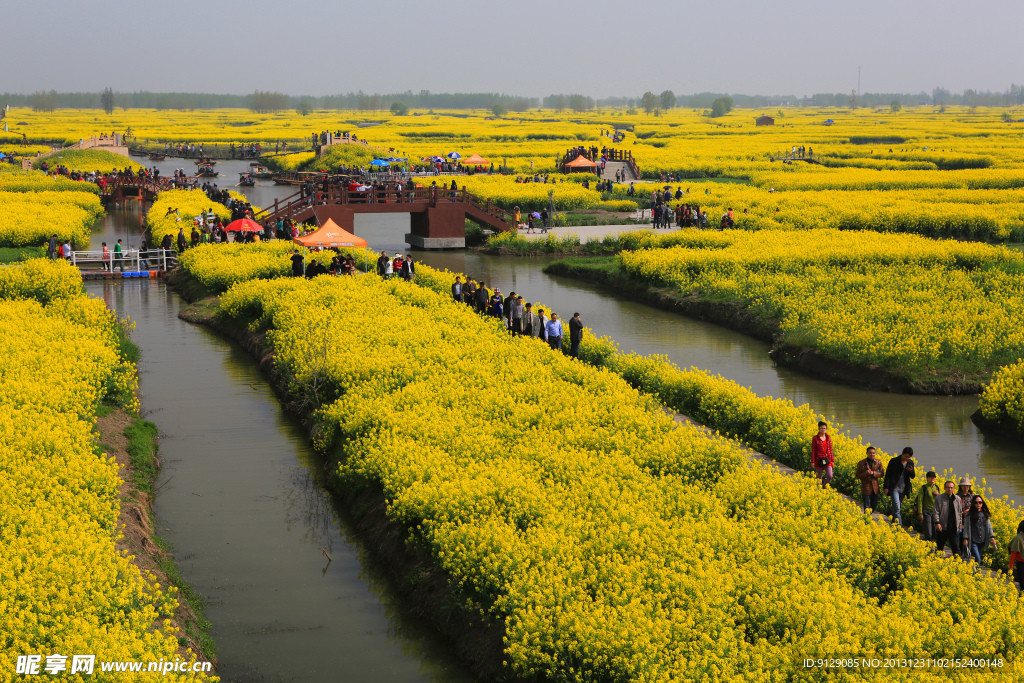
399, 266
518, 316
184, 149
953, 516
340, 265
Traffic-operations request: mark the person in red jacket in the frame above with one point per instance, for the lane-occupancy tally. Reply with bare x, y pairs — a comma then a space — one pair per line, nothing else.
822, 458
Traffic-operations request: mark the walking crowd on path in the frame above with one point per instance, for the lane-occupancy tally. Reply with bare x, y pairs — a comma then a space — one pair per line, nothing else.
954, 516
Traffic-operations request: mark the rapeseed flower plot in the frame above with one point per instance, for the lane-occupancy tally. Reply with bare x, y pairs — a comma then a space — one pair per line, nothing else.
90, 160
16, 180
29, 218
66, 589
914, 306
611, 542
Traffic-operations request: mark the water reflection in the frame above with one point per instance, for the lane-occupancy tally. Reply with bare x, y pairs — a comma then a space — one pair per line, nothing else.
242, 502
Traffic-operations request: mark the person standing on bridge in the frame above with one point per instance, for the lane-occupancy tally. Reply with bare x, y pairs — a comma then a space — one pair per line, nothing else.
106, 258
118, 256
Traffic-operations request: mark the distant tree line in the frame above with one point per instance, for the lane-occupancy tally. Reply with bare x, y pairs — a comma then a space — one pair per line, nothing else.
261, 101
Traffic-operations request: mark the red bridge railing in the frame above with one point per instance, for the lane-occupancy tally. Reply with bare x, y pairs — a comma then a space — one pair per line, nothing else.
390, 194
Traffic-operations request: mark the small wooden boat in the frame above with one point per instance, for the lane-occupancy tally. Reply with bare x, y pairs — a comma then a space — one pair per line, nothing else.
205, 161
246, 179
132, 152
157, 157
260, 171
206, 171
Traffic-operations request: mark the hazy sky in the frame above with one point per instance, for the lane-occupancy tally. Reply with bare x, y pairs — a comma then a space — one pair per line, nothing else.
527, 47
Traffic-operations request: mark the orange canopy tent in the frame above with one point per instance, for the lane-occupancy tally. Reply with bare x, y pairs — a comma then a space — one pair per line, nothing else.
579, 163
330, 234
475, 160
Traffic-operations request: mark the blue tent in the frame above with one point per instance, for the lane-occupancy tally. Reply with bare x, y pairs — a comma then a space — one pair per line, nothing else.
378, 162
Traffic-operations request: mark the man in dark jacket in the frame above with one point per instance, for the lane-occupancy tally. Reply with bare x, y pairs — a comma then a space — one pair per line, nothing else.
382, 263
481, 298
457, 289
506, 310
408, 268
897, 484
51, 247
575, 335
181, 240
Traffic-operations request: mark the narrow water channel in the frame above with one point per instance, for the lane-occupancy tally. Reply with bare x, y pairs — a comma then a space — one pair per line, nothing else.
239, 499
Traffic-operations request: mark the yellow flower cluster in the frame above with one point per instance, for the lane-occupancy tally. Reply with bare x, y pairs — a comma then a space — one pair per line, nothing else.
1003, 398
611, 542
66, 589
29, 218
218, 266
16, 180
184, 205
903, 302
89, 160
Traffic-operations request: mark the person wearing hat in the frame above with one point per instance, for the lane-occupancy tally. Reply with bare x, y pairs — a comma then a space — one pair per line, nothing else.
949, 516
496, 303
924, 506
897, 484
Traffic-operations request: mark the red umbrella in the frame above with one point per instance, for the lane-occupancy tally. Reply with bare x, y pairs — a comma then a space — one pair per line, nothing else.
244, 225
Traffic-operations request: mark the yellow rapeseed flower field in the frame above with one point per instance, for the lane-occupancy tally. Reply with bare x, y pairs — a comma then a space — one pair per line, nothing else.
66, 589
609, 541
35, 207
914, 306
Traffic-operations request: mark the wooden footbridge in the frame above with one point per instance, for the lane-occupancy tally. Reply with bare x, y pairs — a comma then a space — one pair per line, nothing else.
118, 189
437, 215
